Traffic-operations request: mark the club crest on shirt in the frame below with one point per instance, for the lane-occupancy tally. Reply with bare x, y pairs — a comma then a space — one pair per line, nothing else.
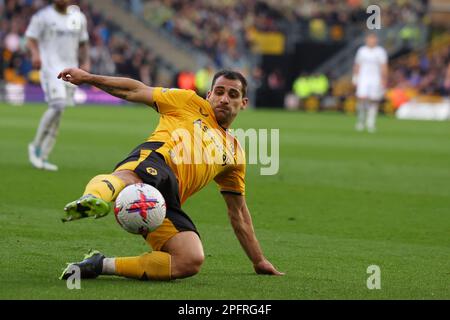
151, 171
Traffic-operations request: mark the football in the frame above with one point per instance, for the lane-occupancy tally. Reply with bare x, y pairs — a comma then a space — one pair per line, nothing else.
140, 208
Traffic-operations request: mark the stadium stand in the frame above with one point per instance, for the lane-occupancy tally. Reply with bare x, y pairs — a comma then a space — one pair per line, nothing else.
270, 41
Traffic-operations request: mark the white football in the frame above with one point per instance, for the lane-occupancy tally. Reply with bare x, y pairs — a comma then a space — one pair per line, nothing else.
140, 208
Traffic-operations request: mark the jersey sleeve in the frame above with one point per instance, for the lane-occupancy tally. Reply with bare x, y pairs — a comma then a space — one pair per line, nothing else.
35, 28
232, 180
171, 100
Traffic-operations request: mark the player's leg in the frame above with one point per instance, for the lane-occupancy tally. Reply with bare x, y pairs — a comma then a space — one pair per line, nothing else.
187, 254
58, 97
372, 111
104, 188
361, 110
375, 96
177, 249
99, 192
181, 256
49, 140
48, 121
61, 92
361, 105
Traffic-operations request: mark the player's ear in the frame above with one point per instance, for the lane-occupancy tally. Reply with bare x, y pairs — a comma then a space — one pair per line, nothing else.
244, 103
208, 94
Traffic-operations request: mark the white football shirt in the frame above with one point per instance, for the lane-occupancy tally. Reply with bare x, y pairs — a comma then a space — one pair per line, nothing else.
58, 36
370, 61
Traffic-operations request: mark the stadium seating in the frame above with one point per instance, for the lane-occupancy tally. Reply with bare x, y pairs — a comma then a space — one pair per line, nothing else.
225, 31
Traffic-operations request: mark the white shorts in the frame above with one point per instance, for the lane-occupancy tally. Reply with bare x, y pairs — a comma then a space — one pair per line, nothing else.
370, 90
57, 89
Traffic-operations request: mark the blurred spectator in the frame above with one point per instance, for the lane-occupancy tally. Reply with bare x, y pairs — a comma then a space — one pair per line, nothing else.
311, 85
275, 86
301, 87
203, 80
319, 84
317, 29
101, 59
186, 80
256, 82
136, 7
447, 81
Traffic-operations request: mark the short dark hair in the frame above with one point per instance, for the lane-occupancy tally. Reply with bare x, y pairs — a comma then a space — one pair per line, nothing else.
231, 75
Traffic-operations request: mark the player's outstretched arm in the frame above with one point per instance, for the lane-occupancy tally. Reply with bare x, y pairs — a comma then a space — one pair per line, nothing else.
124, 88
243, 228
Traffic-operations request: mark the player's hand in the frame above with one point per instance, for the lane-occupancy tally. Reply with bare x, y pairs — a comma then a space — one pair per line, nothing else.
265, 267
36, 61
74, 75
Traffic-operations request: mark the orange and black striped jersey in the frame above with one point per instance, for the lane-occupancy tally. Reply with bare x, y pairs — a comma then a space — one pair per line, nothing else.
195, 147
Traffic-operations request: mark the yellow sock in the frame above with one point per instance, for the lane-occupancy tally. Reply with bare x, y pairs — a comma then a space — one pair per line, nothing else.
105, 186
154, 265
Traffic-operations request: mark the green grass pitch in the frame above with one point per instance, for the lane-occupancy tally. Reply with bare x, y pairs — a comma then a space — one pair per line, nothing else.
342, 201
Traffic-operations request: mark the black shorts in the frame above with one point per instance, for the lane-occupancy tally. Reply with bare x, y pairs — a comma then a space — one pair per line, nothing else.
150, 166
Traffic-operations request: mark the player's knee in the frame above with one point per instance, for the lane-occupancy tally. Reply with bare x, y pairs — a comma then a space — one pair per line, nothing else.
127, 176
191, 265
57, 105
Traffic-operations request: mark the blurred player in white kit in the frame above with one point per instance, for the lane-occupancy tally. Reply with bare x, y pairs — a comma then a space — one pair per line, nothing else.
57, 38
370, 73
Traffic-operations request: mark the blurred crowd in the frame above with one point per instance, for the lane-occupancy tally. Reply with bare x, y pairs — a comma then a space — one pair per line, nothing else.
220, 28
424, 71
336, 19
350, 11
223, 28
112, 52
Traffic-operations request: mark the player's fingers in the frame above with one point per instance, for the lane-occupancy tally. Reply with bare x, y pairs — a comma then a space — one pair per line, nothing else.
278, 273
61, 74
65, 75
270, 270
275, 272
272, 273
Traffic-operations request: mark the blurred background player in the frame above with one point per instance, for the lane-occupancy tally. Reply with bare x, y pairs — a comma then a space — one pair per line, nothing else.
57, 38
370, 73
